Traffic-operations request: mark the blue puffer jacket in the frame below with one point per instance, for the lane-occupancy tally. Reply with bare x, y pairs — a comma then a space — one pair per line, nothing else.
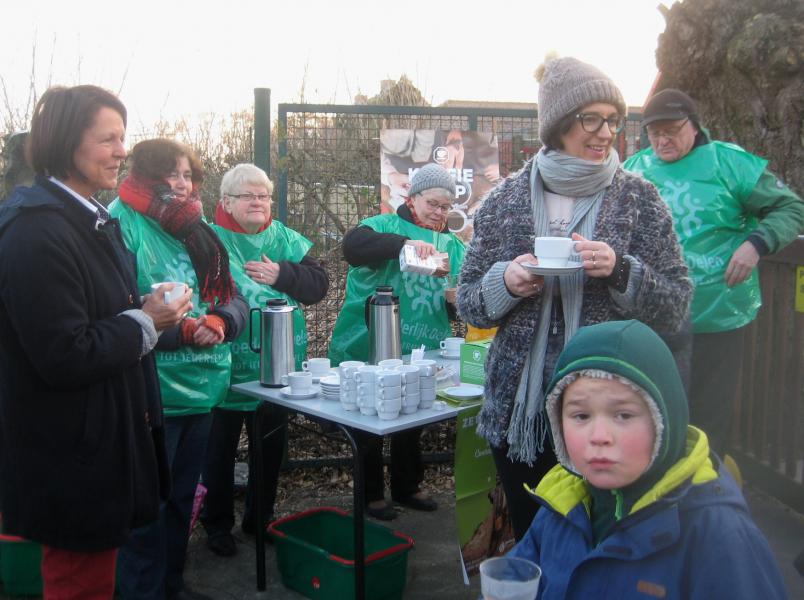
689, 537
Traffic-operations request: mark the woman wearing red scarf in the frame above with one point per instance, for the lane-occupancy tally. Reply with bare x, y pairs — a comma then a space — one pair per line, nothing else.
268, 260
372, 251
160, 215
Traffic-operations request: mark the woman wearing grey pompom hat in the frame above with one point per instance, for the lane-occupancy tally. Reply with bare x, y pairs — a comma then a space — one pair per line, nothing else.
628, 265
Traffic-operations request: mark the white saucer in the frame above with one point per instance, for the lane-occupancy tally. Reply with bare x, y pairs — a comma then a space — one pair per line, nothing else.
450, 356
285, 391
330, 374
464, 392
330, 380
571, 268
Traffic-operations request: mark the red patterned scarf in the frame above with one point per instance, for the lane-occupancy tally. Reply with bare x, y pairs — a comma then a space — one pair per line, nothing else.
439, 228
183, 221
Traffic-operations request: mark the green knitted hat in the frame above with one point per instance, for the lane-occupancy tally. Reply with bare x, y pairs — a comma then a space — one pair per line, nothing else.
634, 354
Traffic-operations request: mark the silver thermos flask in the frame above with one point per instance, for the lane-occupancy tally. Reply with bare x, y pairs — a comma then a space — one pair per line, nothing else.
277, 357
384, 329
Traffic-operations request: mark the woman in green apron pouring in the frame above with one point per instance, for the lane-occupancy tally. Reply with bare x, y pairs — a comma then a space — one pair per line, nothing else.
372, 251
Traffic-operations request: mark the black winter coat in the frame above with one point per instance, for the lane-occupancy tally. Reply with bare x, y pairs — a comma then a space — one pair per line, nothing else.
81, 443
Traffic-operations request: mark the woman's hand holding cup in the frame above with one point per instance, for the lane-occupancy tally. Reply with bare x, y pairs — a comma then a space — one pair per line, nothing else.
598, 257
519, 281
165, 315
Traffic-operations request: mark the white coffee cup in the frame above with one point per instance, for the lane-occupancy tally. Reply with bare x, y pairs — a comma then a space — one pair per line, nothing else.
300, 382
427, 367
410, 373
388, 409
390, 363
365, 389
348, 368
427, 382
348, 398
319, 367
387, 378
553, 251
426, 398
410, 402
365, 374
366, 403
175, 290
388, 393
452, 345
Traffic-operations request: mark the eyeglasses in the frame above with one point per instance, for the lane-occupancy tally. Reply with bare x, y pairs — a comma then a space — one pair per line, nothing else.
667, 133
592, 122
433, 205
248, 197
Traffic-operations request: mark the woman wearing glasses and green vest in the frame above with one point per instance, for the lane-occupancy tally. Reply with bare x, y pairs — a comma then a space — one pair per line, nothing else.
268, 260
372, 251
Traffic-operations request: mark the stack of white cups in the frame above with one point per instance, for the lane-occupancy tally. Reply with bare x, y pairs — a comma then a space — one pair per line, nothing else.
410, 388
388, 393
348, 385
427, 380
366, 400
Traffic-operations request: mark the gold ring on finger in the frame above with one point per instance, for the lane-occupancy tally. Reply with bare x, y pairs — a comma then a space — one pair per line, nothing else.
594, 255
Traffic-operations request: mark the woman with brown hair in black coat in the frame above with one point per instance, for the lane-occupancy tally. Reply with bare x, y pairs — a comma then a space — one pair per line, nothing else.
81, 447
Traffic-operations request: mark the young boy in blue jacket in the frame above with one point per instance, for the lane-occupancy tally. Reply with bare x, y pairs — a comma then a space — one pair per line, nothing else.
637, 506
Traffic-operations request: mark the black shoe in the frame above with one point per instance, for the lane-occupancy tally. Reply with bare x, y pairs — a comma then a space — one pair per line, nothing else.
186, 594
425, 504
384, 513
222, 543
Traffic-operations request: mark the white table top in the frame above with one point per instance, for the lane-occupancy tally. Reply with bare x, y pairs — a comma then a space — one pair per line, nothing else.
332, 410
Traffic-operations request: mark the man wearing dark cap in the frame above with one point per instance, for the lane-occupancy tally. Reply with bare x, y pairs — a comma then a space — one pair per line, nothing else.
729, 210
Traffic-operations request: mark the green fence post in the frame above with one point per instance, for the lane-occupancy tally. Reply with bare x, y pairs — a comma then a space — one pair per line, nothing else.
262, 129
282, 195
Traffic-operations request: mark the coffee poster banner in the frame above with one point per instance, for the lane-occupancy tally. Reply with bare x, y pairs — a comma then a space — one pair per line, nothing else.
471, 157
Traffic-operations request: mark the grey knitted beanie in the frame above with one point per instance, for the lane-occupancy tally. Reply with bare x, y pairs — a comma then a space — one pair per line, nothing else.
431, 176
567, 85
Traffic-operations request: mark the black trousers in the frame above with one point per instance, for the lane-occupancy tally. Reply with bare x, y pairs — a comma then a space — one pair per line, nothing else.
522, 507
717, 360
218, 474
407, 468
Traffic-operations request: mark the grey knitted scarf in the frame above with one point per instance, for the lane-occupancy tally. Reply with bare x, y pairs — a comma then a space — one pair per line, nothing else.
586, 182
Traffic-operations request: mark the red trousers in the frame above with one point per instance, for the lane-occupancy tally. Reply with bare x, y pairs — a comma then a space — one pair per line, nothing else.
70, 575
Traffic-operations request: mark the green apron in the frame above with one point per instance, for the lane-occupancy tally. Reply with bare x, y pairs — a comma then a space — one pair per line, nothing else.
705, 192
422, 308
278, 243
193, 379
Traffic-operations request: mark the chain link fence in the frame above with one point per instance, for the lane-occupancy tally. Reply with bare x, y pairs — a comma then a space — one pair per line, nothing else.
329, 173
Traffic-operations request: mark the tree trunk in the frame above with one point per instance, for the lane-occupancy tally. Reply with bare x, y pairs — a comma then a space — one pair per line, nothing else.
742, 61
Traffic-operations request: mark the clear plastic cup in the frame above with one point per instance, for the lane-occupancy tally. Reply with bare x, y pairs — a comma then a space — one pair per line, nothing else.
509, 578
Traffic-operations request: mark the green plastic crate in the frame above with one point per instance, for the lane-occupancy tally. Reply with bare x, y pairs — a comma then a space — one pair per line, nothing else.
315, 555
20, 566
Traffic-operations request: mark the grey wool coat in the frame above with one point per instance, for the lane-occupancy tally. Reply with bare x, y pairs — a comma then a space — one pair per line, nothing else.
633, 220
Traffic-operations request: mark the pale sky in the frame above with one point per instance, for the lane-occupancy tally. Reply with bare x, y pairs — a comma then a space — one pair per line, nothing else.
177, 58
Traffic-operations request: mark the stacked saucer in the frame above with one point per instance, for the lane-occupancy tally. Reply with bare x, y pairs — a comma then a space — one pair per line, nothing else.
331, 387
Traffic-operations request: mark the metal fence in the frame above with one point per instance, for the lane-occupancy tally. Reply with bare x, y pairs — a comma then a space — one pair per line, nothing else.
329, 179
768, 430
329, 173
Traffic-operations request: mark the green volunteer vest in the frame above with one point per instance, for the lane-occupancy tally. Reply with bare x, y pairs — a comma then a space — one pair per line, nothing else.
422, 308
704, 191
278, 243
193, 380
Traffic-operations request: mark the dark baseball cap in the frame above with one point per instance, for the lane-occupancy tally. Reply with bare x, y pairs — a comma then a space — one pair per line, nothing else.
668, 105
